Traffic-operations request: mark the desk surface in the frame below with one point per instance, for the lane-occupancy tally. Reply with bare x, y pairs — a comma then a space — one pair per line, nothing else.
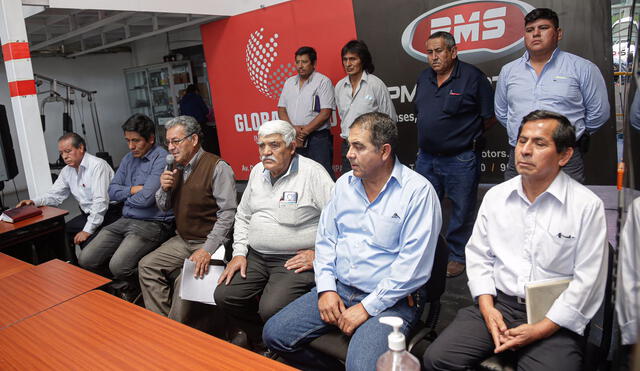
97, 330
48, 212
10, 265
31, 291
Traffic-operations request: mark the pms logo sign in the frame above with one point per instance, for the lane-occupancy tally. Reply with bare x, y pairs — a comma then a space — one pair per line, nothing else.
483, 30
265, 71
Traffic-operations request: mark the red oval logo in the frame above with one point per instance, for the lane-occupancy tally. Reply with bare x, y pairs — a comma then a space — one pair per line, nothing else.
483, 30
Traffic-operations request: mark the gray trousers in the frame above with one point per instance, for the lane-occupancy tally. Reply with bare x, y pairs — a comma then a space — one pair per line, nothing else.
467, 342
574, 168
268, 279
121, 245
158, 271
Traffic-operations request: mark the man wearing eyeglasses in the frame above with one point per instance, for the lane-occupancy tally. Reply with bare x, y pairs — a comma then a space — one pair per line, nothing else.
201, 191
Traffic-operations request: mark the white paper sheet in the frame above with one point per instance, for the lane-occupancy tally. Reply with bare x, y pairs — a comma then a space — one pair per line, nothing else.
199, 289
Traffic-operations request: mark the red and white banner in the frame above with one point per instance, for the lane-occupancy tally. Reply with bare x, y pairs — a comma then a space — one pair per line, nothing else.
249, 57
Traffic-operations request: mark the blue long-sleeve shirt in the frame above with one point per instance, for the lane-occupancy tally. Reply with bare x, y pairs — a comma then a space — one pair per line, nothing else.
568, 84
144, 171
385, 247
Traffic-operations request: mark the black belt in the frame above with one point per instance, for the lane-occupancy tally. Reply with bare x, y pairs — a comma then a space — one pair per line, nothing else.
512, 301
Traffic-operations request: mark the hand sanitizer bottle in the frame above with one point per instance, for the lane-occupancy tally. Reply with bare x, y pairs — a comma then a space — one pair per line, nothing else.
396, 358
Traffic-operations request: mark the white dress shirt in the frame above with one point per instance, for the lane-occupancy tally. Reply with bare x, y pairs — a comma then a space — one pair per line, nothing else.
372, 95
628, 284
562, 233
89, 185
304, 103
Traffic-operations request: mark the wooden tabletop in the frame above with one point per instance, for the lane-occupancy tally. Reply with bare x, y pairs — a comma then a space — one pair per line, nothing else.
31, 291
10, 265
48, 212
98, 330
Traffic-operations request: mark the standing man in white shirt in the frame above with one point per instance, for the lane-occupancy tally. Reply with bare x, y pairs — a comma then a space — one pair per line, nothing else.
306, 103
359, 92
539, 225
87, 178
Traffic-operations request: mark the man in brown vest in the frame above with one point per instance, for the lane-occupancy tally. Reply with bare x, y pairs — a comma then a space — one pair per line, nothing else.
201, 191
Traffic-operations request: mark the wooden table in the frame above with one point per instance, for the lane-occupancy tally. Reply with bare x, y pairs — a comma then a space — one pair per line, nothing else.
31, 291
10, 265
50, 224
99, 331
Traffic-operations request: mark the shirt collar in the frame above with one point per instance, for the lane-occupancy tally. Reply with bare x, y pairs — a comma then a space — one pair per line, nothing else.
455, 73
396, 173
150, 152
526, 57
85, 161
364, 77
293, 169
194, 160
308, 80
557, 188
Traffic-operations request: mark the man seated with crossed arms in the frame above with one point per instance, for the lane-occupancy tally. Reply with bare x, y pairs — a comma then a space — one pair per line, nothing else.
539, 225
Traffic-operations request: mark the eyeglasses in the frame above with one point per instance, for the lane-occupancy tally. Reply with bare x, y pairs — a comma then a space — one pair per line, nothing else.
175, 142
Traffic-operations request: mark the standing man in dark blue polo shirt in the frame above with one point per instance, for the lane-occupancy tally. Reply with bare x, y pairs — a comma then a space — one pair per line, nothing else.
454, 102
142, 227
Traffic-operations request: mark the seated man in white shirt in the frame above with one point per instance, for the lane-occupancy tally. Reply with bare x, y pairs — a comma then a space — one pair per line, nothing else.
539, 225
87, 178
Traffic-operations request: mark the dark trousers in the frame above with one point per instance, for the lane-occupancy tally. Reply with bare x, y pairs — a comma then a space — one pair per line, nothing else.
75, 225
574, 168
466, 342
320, 149
268, 279
346, 165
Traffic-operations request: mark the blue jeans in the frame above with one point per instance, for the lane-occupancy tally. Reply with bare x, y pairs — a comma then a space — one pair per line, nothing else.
291, 329
320, 149
456, 178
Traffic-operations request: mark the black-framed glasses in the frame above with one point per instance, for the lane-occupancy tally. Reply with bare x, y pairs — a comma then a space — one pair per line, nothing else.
175, 142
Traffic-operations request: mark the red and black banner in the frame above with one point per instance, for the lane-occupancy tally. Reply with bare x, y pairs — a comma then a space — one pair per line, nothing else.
249, 56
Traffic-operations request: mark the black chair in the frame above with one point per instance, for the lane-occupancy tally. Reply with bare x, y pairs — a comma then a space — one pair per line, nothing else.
335, 343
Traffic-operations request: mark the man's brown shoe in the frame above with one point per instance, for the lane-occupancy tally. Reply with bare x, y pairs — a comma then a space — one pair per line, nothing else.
454, 269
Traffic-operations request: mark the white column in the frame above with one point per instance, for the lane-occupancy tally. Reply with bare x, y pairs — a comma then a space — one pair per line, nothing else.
26, 113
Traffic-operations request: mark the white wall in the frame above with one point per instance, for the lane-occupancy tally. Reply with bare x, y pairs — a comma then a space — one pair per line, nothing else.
103, 73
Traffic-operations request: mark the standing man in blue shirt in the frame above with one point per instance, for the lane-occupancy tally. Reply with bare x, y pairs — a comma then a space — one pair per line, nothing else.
374, 252
454, 102
306, 103
142, 227
548, 78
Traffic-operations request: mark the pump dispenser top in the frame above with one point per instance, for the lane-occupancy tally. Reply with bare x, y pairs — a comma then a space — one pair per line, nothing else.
396, 338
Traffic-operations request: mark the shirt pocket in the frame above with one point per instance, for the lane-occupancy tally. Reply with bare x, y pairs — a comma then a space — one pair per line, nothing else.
563, 86
386, 231
557, 251
452, 104
287, 214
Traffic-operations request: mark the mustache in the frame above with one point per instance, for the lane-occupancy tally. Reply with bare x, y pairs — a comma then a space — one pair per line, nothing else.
270, 157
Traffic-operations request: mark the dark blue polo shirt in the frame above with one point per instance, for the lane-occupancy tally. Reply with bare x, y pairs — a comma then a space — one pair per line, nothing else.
451, 116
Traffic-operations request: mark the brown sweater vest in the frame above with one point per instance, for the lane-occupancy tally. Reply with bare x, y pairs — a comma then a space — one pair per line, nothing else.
193, 203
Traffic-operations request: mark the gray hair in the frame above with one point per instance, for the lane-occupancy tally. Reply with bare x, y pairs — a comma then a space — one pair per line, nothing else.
449, 41
278, 127
382, 128
188, 123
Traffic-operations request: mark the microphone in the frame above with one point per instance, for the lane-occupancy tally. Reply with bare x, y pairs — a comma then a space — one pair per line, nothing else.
170, 162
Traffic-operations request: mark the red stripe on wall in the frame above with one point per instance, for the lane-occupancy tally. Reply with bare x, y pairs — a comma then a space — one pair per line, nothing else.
20, 88
11, 51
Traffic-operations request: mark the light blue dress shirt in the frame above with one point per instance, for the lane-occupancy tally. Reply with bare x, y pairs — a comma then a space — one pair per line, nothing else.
144, 171
568, 84
385, 247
